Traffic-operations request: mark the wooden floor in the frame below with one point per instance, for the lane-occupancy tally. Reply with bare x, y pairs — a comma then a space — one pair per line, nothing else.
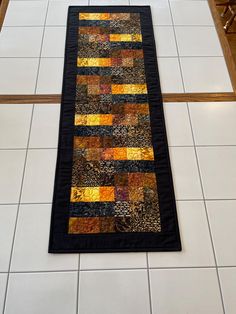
171, 97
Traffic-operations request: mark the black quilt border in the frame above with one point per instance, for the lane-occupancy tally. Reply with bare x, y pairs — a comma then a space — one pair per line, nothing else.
62, 242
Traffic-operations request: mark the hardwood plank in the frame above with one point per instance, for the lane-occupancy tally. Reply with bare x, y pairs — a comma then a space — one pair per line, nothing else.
167, 97
30, 99
229, 59
199, 97
3, 10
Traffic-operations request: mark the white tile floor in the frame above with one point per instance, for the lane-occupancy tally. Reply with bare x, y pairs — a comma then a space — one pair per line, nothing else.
202, 139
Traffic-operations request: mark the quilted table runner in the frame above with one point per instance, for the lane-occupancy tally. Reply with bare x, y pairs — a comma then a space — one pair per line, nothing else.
113, 186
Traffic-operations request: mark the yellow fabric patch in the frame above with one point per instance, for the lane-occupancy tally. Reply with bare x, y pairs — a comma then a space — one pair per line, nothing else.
129, 89
93, 119
94, 62
92, 194
94, 16
147, 153
126, 37
136, 37
76, 195
85, 194
134, 153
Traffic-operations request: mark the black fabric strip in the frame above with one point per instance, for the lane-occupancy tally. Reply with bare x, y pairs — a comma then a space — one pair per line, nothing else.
93, 130
92, 209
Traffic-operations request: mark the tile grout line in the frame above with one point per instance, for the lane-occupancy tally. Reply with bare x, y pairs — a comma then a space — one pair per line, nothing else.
177, 200
30, 148
206, 212
149, 283
206, 199
115, 269
22, 180
44, 271
177, 48
32, 26
63, 25
177, 146
31, 203
155, 268
17, 213
77, 290
18, 57
41, 48
158, 57
19, 26
217, 145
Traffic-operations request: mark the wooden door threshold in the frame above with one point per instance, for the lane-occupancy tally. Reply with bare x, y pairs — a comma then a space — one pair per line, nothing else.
167, 97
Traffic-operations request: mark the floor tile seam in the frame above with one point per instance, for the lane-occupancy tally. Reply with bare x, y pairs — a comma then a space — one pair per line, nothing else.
149, 284
17, 214
177, 47
75, 270
41, 49
206, 212
177, 200
158, 57
64, 25
170, 146
78, 286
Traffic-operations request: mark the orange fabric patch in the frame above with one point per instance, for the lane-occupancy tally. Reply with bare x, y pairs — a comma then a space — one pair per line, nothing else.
84, 225
120, 153
107, 154
106, 119
107, 194
84, 30
87, 142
